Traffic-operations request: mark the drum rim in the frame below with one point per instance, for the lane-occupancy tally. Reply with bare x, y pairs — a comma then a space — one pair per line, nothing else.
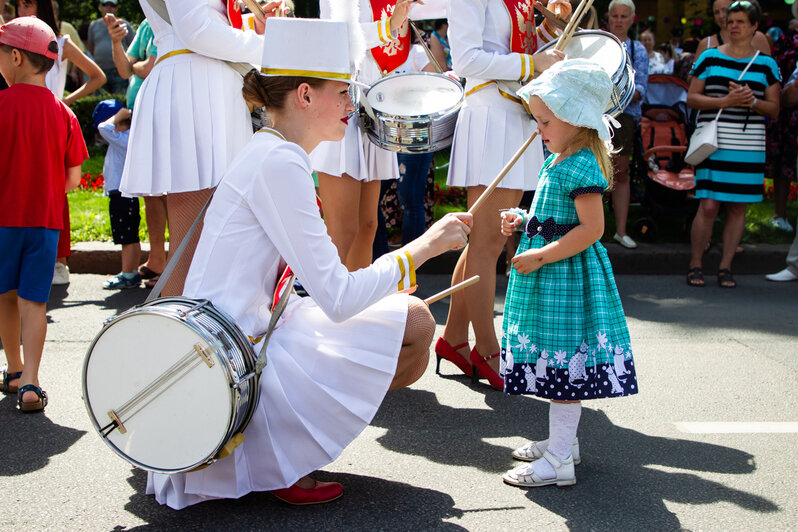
151, 308
430, 116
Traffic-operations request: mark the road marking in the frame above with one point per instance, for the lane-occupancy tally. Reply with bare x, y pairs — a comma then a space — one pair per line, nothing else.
738, 427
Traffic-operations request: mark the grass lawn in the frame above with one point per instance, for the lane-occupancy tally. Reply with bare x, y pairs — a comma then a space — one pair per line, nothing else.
89, 212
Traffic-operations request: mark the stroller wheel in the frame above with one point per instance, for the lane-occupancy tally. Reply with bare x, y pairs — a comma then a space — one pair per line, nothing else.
646, 229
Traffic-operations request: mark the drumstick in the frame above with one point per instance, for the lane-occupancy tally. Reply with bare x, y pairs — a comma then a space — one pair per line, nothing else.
550, 16
573, 24
256, 10
452, 289
427, 51
488, 191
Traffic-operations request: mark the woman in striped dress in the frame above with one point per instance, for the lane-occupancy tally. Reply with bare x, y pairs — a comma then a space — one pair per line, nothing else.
734, 174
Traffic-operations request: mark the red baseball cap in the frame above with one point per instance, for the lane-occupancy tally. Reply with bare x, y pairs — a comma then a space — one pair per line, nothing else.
30, 34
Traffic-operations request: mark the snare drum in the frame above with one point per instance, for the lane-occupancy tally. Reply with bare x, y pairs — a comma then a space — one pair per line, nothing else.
609, 53
168, 384
413, 112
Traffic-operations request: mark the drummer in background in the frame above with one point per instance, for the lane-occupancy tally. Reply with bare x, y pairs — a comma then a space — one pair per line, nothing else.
622, 16
350, 170
490, 40
190, 119
320, 390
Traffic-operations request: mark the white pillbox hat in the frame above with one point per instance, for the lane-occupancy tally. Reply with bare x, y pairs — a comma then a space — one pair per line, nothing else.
307, 47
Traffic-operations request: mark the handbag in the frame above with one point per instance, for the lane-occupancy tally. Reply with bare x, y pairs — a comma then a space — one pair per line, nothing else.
704, 141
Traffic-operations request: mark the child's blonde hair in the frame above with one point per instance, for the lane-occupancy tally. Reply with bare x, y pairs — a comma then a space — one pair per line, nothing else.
588, 138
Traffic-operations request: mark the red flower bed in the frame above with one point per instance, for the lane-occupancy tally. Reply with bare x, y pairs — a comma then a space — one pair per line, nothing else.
791, 196
91, 182
450, 195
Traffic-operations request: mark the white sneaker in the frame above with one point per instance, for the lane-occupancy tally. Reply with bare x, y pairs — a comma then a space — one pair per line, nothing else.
781, 223
531, 452
783, 276
625, 240
61, 274
524, 476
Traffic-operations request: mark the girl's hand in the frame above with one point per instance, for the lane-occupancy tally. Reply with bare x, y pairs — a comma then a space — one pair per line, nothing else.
561, 8
529, 261
272, 9
510, 222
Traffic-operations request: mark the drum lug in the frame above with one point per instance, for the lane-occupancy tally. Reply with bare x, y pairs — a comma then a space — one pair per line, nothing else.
206, 356
241, 381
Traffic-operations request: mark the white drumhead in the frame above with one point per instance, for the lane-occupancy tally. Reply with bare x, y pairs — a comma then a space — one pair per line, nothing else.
180, 425
415, 94
600, 48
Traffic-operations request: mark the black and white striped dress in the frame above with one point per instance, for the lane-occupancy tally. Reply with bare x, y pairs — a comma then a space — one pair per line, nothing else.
735, 172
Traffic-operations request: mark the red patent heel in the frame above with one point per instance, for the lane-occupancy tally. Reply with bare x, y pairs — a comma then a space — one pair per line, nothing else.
444, 350
481, 370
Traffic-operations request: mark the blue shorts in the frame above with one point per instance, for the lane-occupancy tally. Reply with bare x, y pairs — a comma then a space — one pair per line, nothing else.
28, 261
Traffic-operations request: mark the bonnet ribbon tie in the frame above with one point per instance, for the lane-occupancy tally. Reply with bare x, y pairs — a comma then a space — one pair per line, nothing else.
610, 122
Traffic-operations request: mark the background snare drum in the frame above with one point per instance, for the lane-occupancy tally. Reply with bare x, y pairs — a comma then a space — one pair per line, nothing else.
168, 384
415, 112
610, 54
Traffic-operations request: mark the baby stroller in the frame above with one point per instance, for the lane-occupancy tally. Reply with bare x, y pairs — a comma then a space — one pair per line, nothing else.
668, 183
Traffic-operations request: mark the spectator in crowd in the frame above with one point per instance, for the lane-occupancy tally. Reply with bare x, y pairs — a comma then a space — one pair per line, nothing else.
439, 45
676, 39
56, 82
734, 174
123, 211
656, 61
7, 11
782, 145
136, 64
100, 45
668, 55
789, 99
42, 151
719, 8
622, 13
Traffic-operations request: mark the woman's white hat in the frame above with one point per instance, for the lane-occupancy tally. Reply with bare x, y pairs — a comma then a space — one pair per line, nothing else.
307, 47
577, 91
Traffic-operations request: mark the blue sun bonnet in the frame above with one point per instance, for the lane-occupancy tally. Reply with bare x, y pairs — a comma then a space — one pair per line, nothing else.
577, 91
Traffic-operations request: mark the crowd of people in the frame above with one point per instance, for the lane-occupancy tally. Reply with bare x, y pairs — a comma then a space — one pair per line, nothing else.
184, 142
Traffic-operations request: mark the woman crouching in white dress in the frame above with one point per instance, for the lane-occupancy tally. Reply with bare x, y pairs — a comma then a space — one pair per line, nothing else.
350, 170
333, 355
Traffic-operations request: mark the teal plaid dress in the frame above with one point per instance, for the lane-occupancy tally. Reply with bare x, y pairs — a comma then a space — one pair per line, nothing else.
564, 335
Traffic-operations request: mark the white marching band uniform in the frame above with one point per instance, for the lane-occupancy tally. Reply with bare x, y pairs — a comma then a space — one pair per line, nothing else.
333, 355
190, 119
355, 155
491, 125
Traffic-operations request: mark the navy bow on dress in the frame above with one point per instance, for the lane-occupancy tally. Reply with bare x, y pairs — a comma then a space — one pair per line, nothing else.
548, 228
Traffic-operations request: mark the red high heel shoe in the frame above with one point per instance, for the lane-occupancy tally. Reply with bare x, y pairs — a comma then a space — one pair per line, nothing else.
483, 371
444, 350
319, 493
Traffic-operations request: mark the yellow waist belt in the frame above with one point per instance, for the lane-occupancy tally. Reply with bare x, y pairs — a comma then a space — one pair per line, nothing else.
507, 95
170, 54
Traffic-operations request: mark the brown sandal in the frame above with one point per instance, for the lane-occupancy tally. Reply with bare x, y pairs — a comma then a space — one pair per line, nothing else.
695, 277
726, 279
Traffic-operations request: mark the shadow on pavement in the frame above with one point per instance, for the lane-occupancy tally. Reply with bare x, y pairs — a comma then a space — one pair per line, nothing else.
620, 483
118, 300
367, 504
35, 439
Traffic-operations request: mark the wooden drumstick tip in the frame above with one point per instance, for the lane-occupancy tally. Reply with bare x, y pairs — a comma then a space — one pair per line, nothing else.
452, 289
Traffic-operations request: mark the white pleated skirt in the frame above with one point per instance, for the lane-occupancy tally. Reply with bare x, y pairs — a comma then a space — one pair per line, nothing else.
356, 156
322, 386
490, 129
190, 120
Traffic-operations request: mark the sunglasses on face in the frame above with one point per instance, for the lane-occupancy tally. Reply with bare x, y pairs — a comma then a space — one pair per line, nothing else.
108, 4
740, 3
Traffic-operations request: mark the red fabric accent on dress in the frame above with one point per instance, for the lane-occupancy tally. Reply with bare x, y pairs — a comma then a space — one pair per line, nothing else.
392, 55
524, 38
234, 13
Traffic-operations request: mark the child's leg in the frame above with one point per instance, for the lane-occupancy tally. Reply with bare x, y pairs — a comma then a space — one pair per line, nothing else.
34, 330
131, 255
9, 332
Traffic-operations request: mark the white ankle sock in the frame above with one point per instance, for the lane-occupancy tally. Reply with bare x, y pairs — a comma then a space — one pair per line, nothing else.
563, 424
543, 469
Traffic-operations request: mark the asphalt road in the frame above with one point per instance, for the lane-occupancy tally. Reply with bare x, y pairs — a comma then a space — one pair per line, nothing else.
708, 444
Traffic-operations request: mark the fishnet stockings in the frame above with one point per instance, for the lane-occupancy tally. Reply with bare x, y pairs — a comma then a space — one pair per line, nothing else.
182, 209
414, 356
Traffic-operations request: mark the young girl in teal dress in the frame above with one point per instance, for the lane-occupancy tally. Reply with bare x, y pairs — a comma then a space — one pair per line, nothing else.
564, 333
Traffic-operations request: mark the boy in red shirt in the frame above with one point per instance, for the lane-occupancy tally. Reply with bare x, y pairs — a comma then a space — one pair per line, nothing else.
41, 160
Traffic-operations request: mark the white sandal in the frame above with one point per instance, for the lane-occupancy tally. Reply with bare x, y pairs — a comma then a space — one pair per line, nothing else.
525, 477
531, 452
